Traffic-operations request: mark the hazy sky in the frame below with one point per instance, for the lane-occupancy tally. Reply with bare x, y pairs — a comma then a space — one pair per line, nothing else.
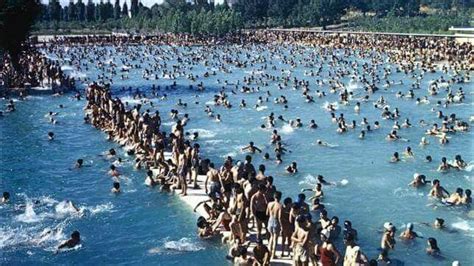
145, 2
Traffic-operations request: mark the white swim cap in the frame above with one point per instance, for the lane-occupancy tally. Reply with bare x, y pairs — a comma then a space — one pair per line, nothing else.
388, 226
456, 263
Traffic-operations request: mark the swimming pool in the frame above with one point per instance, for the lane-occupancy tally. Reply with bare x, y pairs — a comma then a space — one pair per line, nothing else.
136, 226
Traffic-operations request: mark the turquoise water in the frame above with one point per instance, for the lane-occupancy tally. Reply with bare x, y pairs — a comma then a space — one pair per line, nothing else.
141, 225
136, 226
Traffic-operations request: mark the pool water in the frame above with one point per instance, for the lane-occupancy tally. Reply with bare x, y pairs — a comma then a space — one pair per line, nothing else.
142, 225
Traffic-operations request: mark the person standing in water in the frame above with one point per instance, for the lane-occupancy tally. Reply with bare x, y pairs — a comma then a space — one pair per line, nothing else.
388, 238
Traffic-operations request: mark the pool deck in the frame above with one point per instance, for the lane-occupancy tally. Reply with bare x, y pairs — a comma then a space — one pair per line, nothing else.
197, 195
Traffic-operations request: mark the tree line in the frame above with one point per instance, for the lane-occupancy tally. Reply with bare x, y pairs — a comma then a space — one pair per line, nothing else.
175, 16
293, 13
199, 16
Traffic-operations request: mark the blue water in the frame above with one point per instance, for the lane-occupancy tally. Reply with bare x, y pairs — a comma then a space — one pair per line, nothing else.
136, 226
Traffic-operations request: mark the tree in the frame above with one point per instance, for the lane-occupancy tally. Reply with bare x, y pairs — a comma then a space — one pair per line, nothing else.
125, 10
280, 9
54, 10
362, 5
117, 11
252, 10
81, 12
90, 11
108, 10
382, 7
16, 19
99, 11
134, 8
72, 14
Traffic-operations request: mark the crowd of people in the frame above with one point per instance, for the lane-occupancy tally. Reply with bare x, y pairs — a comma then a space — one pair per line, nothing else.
33, 69
244, 205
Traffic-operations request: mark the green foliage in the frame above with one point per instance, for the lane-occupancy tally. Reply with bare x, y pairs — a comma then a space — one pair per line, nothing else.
438, 23
16, 20
179, 16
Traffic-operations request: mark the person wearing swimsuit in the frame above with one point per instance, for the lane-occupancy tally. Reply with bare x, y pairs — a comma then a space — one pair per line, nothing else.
274, 209
327, 252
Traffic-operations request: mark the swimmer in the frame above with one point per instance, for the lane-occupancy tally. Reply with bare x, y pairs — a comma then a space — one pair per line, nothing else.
409, 234
455, 198
459, 163
433, 249
50, 135
408, 152
111, 153
251, 148
392, 136
318, 191
313, 124
278, 159
266, 156
437, 191
322, 181
467, 199
424, 142
79, 163
349, 232
149, 181
5, 197
443, 139
444, 165
388, 239
292, 168
395, 158
439, 223
72, 242
322, 143
418, 181
114, 172
116, 187
428, 159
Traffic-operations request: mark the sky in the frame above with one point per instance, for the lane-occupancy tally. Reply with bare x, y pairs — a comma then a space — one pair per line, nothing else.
145, 2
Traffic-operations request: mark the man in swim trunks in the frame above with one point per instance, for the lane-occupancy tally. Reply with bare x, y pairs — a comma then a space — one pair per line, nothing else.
274, 221
300, 241
212, 176
258, 207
